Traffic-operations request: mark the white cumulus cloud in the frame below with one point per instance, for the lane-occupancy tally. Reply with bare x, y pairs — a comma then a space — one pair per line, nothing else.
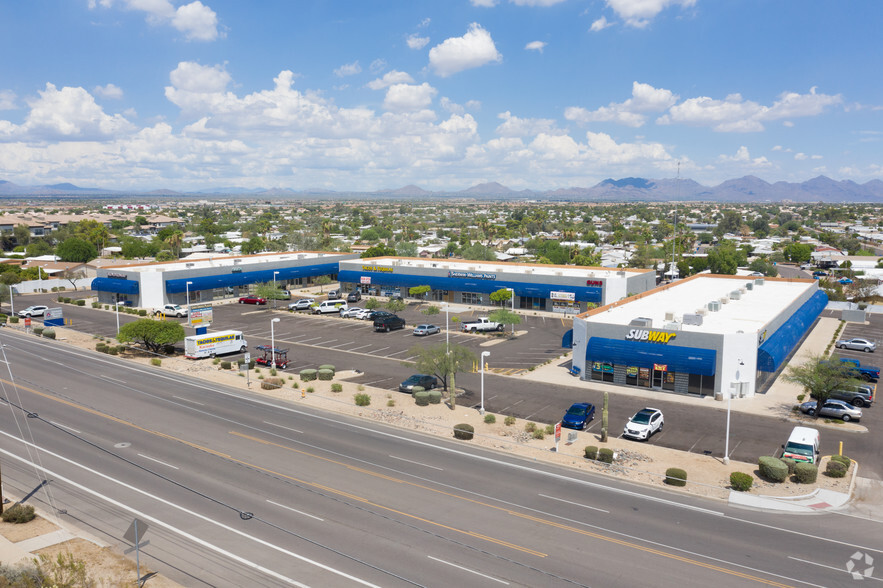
535, 46
69, 114
7, 100
456, 54
197, 21
390, 78
109, 91
408, 97
639, 13
599, 24
645, 98
349, 69
415, 41
512, 126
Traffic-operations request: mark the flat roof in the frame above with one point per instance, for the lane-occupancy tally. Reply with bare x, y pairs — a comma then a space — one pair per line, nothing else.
223, 260
492, 267
754, 309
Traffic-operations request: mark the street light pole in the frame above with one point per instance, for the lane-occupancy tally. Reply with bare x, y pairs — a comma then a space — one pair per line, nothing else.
729, 398
512, 291
484, 354
117, 309
274, 288
447, 331
189, 318
273, 342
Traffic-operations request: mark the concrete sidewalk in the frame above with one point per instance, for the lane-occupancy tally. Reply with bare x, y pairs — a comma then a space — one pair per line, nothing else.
820, 500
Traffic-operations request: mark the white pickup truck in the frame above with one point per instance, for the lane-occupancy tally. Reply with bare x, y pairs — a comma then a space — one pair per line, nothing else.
479, 325
175, 310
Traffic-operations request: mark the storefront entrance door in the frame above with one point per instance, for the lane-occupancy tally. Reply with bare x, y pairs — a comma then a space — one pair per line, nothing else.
658, 376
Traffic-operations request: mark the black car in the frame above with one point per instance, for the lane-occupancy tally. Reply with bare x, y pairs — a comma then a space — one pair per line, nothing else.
389, 323
378, 314
354, 296
422, 380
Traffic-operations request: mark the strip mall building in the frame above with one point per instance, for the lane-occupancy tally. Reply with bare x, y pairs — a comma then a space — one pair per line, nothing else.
705, 335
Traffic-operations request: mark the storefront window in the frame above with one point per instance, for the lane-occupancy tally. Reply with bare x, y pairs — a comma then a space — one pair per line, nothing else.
631, 375
602, 371
668, 382
470, 298
644, 377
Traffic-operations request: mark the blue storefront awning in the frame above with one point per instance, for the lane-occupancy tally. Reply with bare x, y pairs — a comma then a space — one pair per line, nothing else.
115, 285
245, 278
691, 360
567, 339
523, 289
779, 345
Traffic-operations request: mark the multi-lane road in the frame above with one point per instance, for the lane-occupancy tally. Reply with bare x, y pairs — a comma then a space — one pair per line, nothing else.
241, 491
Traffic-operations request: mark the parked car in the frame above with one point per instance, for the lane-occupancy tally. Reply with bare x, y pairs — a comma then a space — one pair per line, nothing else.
756, 274
423, 330
422, 380
857, 396
389, 323
645, 422
174, 310
252, 300
331, 306
578, 416
836, 409
819, 274
38, 310
302, 304
376, 314
857, 344
844, 281
351, 312
334, 295
354, 296
364, 313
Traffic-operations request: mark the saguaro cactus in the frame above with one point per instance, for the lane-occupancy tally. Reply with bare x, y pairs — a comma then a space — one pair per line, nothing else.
604, 419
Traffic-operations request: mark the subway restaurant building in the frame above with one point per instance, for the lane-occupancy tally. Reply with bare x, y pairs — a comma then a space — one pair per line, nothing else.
706, 335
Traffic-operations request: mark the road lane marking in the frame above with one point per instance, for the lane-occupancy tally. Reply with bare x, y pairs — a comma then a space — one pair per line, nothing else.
417, 463
300, 512
57, 424
573, 503
282, 427
188, 400
158, 461
453, 565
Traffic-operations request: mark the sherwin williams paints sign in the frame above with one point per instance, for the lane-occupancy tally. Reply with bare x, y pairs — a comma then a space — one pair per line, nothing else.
472, 275
650, 336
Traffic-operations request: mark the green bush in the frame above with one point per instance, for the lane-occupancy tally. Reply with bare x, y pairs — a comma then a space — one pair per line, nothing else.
94, 304
550, 429
112, 350
101, 347
226, 365
13, 319
842, 459
38, 331
806, 473
142, 312
81, 302
327, 366
362, 399
308, 375
675, 477
538, 434
155, 361
464, 431
790, 463
772, 469
49, 333
121, 348
415, 389
19, 513
530, 427
216, 361
421, 398
336, 387
509, 421
435, 397
310, 390
835, 469
325, 374
490, 419
741, 482
591, 452
605, 455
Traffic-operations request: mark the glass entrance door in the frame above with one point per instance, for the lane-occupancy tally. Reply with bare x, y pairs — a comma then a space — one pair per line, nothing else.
658, 376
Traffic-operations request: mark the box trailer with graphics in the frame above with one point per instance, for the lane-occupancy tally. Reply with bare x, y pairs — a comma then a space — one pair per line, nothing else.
212, 344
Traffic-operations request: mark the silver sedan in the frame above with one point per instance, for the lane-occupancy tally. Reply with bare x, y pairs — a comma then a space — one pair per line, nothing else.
857, 344
835, 409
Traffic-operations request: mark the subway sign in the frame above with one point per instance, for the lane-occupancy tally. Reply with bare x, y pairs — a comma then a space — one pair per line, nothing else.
650, 336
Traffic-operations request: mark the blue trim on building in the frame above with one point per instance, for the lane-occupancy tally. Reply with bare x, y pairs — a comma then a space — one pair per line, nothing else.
779, 345
115, 285
254, 277
691, 360
523, 289
567, 339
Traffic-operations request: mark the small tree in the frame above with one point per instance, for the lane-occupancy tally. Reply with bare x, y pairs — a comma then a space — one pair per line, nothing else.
72, 276
153, 335
419, 291
443, 364
821, 377
502, 295
268, 291
604, 419
323, 281
395, 305
76, 250
505, 317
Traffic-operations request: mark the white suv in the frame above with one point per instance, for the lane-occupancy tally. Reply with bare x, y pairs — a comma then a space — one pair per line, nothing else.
33, 311
645, 422
329, 306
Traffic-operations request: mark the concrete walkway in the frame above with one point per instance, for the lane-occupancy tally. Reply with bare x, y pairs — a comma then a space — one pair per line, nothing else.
12, 553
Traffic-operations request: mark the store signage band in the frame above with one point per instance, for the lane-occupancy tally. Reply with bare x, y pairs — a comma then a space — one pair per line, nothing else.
570, 296
376, 268
472, 275
650, 336
594, 283
116, 276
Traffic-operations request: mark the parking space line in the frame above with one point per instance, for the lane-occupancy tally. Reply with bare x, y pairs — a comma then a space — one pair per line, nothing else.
360, 347
695, 444
323, 343
397, 352
375, 382
377, 351
305, 340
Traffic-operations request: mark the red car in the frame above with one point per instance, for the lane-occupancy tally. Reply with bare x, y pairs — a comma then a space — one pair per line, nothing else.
252, 300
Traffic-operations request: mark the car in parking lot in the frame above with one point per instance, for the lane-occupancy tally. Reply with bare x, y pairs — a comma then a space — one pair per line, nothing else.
363, 313
819, 274
252, 300
845, 281
38, 310
354, 296
578, 416
644, 424
302, 304
756, 275
857, 344
423, 330
376, 314
334, 295
832, 408
351, 312
389, 323
424, 381
862, 396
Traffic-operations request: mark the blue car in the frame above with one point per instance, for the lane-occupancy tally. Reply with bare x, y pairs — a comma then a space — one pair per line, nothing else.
844, 281
578, 416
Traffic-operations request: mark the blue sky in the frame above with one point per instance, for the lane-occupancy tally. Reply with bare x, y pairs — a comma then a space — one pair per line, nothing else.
364, 95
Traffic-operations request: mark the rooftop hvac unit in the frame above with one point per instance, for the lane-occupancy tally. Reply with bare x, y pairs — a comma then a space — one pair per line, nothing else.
743, 289
714, 306
693, 319
237, 261
749, 286
620, 274
724, 299
472, 269
675, 326
670, 316
702, 311
641, 321
759, 281
735, 295
558, 274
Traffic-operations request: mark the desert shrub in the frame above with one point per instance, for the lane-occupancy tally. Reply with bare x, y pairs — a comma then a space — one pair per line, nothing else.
325, 374
538, 434
790, 463
806, 473
421, 398
842, 459
81, 302
328, 366
18, 513
530, 427
226, 365
550, 429
435, 397
308, 375
272, 383
112, 350
216, 361
94, 304
310, 390
101, 347
772, 469
49, 333
800, 397
490, 419
605, 455
38, 331
142, 312
273, 371
337, 387
464, 431
835, 469
509, 421
121, 348
13, 319
362, 399
415, 389
591, 452
155, 361
675, 477
741, 482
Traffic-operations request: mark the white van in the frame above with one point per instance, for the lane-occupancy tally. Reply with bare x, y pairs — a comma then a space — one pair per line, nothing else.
212, 344
803, 445
329, 306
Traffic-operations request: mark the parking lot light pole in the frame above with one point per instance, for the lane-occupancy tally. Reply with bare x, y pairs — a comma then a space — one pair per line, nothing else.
274, 288
484, 354
447, 331
512, 291
273, 342
729, 398
189, 319
117, 309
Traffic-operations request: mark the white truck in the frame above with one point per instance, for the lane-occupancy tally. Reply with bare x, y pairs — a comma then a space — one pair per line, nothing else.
480, 325
212, 344
175, 310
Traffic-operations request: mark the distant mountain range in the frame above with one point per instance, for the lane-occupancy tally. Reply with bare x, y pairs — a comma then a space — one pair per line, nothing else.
746, 189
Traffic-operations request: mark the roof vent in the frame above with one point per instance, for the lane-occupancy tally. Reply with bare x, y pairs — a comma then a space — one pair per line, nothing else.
736, 295
693, 319
759, 281
670, 316
699, 311
714, 305
724, 299
620, 274
641, 321
675, 326
749, 286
